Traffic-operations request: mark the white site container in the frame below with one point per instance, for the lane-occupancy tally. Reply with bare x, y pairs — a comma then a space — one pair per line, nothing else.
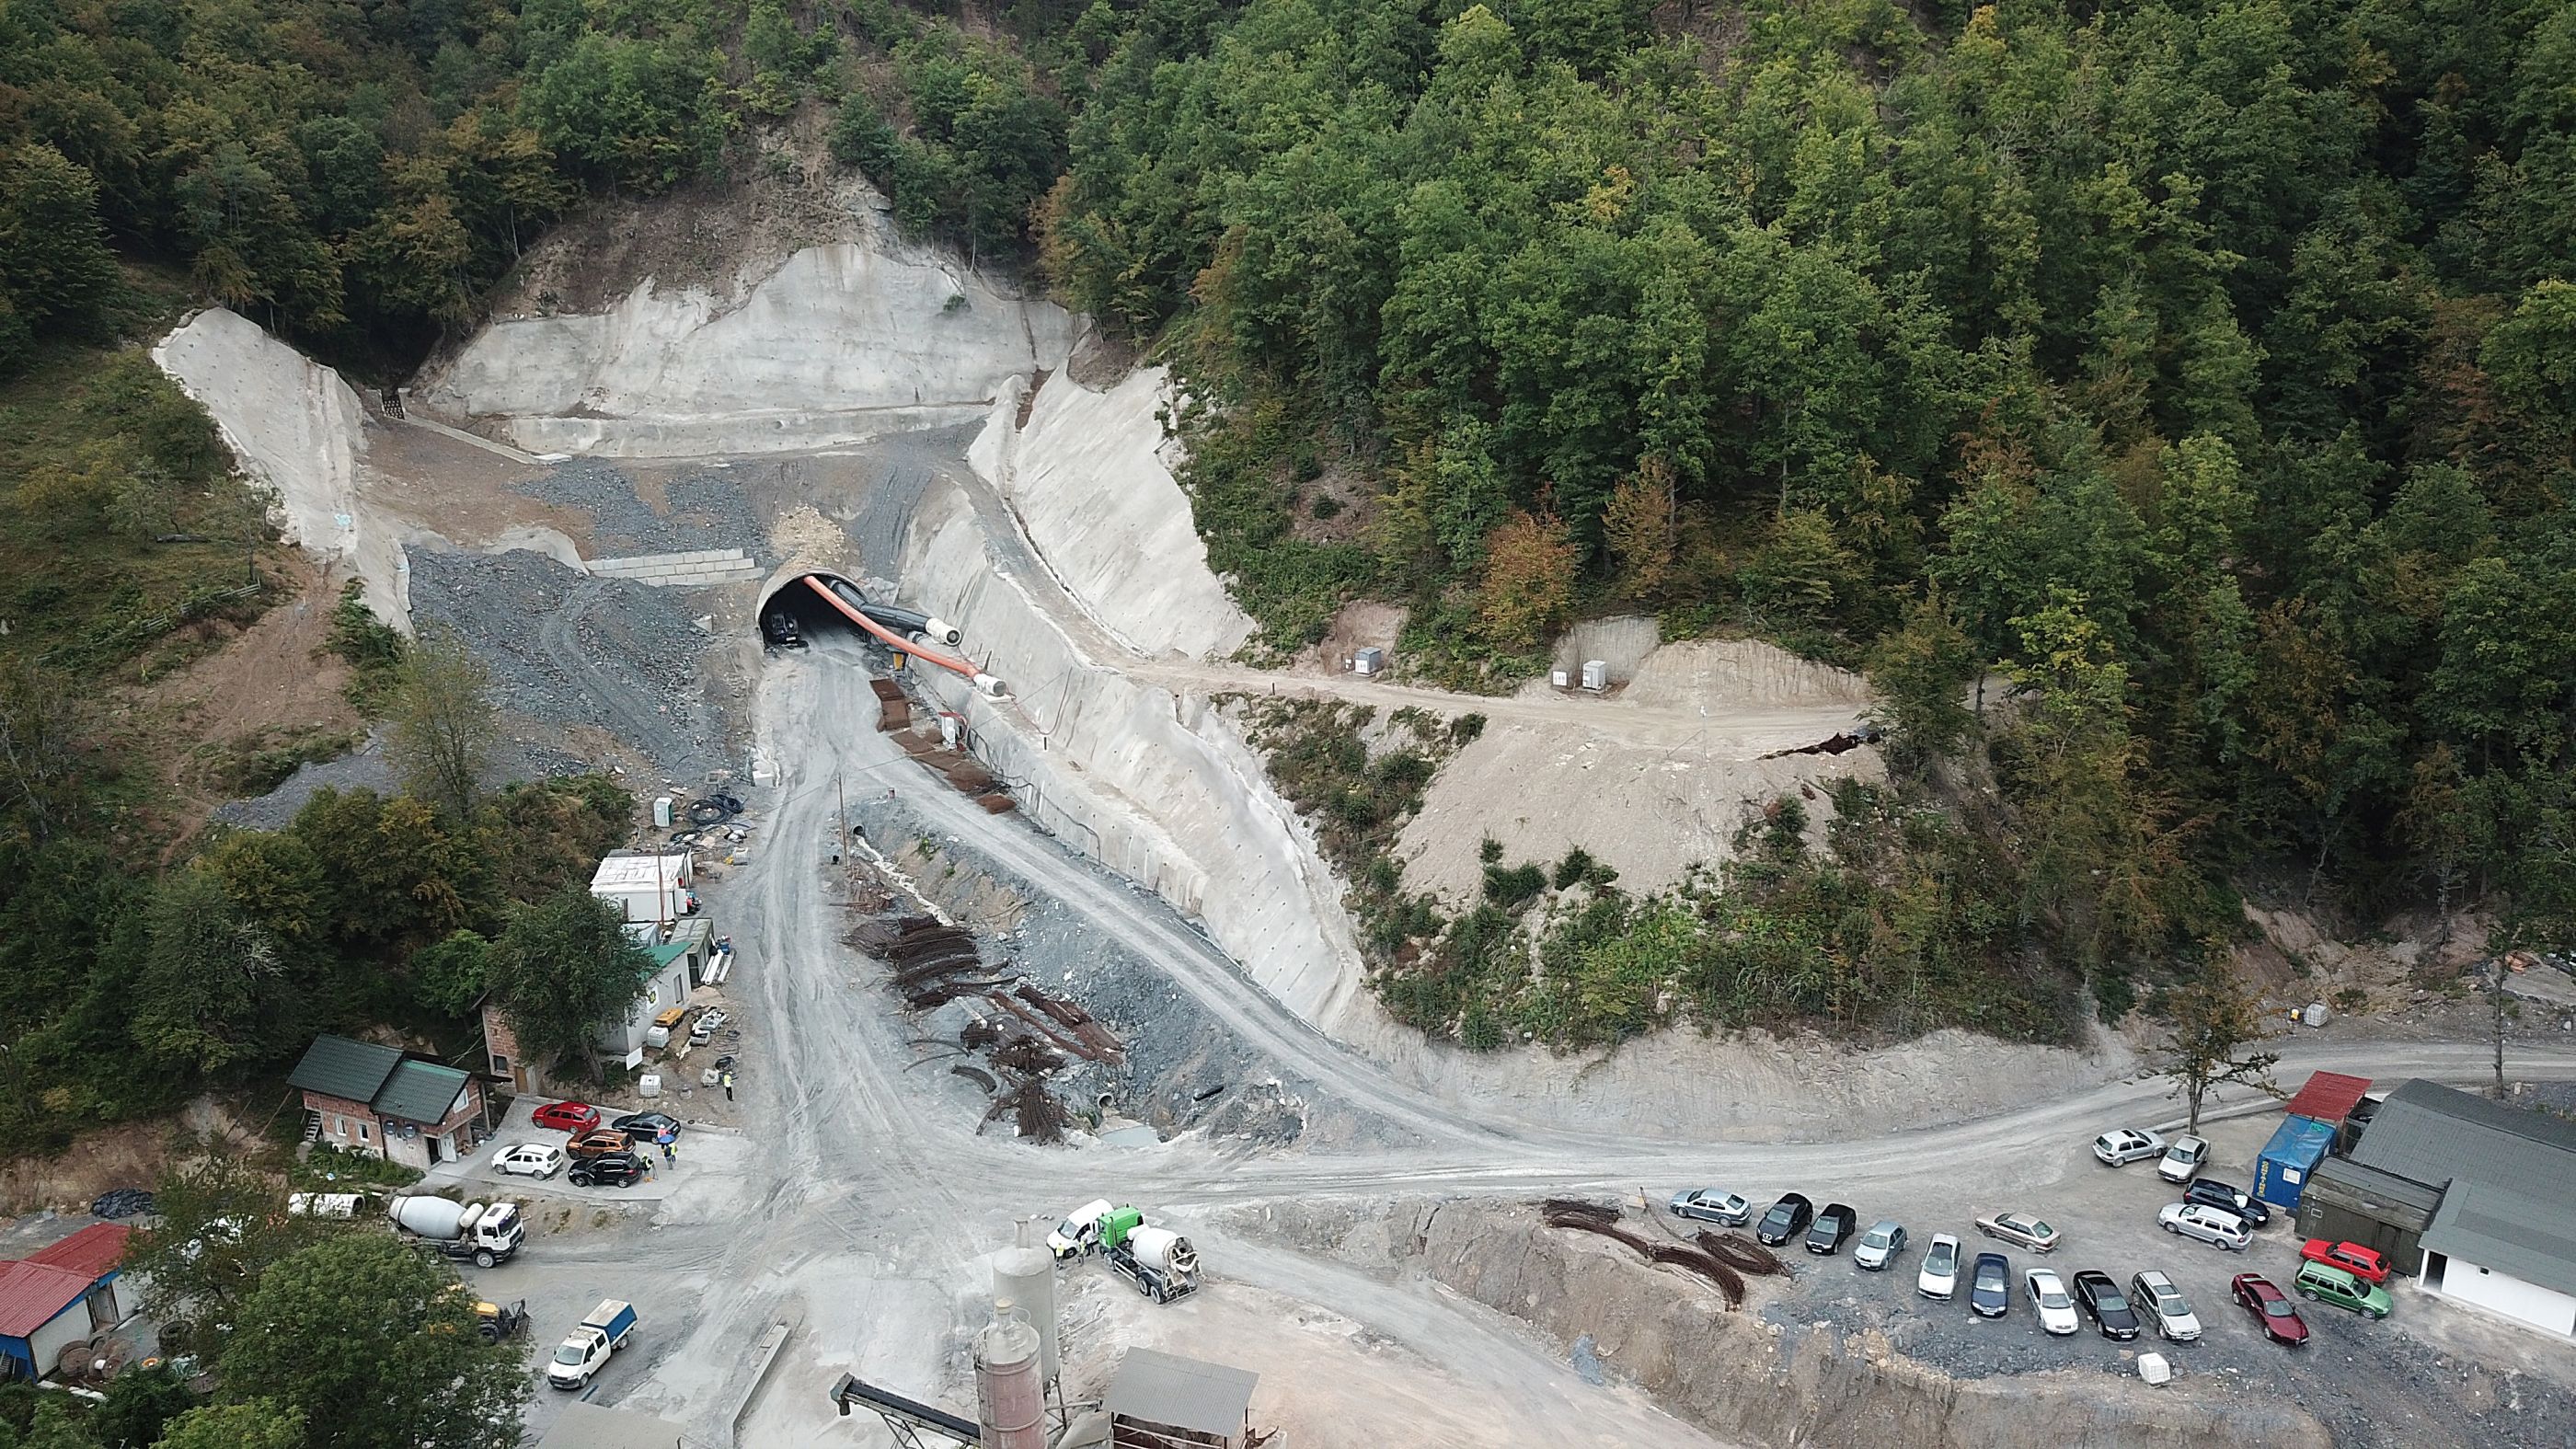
1368, 661
662, 812
1596, 675
649, 1085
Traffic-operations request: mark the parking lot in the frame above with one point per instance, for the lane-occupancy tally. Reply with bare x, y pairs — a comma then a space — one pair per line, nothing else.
703, 1149
2414, 1378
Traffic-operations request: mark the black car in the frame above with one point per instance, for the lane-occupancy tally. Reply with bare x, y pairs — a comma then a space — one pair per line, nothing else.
610, 1169
2102, 1301
1990, 1285
645, 1126
1833, 1225
2211, 1193
1788, 1218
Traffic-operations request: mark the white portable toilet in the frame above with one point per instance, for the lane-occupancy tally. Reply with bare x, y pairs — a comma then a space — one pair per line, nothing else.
662, 811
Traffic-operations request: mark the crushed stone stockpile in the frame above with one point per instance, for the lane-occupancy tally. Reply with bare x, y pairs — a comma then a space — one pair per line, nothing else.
705, 509
842, 343
1087, 476
565, 649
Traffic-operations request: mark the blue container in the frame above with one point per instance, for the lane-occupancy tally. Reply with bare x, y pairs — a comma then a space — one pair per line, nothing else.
2281, 1171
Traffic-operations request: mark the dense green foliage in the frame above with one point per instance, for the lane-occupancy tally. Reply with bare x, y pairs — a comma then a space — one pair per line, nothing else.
357, 175
137, 990
2202, 366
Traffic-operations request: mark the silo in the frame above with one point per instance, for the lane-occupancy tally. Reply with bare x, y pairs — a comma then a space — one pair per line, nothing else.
1010, 1398
1025, 1275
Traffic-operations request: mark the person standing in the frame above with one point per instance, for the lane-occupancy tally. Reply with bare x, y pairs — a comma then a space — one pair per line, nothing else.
728, 1085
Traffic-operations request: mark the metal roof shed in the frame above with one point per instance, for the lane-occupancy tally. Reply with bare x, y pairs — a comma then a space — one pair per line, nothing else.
2533, 1240
2428, 1133
2328, 1097
97, 1250
1160, 1401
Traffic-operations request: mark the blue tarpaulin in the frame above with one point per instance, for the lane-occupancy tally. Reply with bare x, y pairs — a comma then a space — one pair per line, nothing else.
2297, 1146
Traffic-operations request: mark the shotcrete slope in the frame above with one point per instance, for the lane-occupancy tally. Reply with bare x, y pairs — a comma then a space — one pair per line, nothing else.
1087, 479
296, 427
843, 342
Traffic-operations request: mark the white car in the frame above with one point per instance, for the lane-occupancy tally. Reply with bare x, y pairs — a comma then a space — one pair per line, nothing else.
1939, 1277
1713, 1205
1879, 1246
529, 1159
2182, 1161
2159, 1302
2056, 1310
2120, 1147
2224, 1231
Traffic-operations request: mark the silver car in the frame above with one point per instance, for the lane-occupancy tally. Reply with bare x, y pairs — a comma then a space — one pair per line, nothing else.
1879, 1246
2224, 1231
1710, 1205
2159, 1302
1939, 1276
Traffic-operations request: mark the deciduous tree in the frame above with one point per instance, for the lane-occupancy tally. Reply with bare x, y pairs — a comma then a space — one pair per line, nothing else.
2217, 1026
564, 968
376, 1344
443, 724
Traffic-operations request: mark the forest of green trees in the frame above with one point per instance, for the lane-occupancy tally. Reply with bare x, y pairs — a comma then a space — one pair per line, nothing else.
2201, 373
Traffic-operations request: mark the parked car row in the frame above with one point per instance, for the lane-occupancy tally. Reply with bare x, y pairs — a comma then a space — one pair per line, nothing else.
599, 1156
2346, 1275
2177, 1161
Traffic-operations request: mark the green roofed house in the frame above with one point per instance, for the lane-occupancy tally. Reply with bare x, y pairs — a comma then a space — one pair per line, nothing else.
384, 1101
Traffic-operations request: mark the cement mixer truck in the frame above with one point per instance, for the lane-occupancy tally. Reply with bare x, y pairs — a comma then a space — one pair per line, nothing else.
1160, 1262
480, 1233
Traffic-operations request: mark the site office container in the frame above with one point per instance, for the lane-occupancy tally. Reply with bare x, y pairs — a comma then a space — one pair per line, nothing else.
2281, 1171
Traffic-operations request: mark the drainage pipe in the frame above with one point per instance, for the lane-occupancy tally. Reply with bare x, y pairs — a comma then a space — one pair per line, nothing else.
985, 684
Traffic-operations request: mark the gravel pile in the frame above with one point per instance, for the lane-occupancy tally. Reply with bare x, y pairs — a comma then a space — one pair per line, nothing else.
707, 510
567, 649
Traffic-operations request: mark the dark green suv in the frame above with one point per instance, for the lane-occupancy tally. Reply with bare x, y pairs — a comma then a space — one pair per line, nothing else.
2333, 1285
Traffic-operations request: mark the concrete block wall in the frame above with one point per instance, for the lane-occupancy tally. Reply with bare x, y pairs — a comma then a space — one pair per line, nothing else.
680, 570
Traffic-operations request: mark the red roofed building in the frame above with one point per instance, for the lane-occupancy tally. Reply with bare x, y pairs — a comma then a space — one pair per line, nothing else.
95, 1250
63, 1295
2329, 1097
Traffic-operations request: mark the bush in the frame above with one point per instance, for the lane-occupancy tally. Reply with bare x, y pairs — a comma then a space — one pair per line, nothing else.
1511, 887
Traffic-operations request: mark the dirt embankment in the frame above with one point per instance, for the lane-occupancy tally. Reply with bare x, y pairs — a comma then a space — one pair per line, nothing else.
1744, 1378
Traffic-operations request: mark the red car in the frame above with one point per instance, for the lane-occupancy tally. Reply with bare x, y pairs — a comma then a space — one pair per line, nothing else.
574, 1117
2363, 1263
2281, 1322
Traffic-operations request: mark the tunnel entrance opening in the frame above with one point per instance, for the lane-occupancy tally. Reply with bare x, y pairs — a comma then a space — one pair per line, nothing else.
819, 604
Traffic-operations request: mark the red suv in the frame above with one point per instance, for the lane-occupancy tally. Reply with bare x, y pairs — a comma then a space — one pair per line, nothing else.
575, 1117
2271, 1308
2366, 1264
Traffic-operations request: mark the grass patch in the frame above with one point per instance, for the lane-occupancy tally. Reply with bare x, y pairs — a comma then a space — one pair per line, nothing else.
250, 765
121, 521
372, 648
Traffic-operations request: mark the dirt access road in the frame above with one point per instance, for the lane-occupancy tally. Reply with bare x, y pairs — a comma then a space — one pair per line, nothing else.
868, 1200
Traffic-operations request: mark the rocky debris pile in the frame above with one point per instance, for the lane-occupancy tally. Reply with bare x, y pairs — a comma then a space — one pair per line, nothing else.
705, 510
1026, 1034
566, 649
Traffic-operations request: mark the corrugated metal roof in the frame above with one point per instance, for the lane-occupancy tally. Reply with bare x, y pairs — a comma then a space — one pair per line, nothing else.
420, 1092
2428, 1133
663, 955
338, 1067
1206, 1398
2328, 1097
2355, 1180
2519, 1236
95, 1250
32, 1293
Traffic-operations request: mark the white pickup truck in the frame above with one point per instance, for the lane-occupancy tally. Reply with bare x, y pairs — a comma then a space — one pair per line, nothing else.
585, 1350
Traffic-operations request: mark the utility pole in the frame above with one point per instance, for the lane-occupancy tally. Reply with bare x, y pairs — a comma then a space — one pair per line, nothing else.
840, 819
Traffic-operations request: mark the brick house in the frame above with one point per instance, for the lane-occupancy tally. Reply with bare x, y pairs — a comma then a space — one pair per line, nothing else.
379, 1100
